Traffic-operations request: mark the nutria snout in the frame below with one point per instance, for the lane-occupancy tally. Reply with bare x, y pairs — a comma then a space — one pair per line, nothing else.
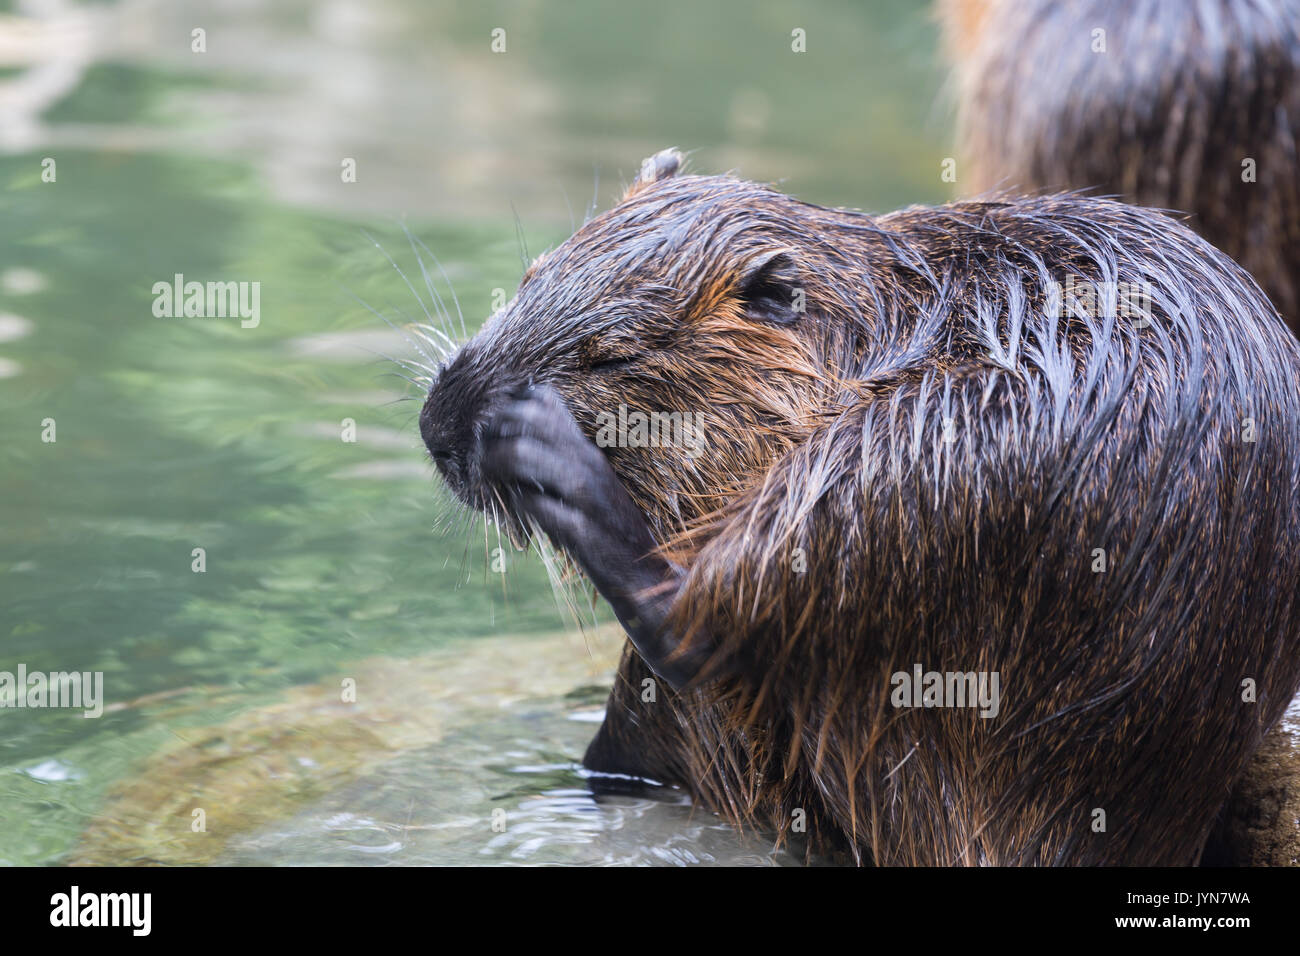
452, 420
1050, 445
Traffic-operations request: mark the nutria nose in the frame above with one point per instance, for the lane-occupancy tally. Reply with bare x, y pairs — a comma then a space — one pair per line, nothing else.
440, 429
435, 439
447, 419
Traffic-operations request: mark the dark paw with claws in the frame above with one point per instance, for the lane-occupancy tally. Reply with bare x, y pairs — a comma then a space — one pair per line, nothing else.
556, 479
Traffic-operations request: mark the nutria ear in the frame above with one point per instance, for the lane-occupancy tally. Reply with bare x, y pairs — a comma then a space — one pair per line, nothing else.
771, 288
662, 165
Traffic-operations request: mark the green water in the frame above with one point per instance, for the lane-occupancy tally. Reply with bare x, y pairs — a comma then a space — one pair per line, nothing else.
173, 434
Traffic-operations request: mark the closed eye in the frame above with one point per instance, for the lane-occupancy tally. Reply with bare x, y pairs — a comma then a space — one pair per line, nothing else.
614, 363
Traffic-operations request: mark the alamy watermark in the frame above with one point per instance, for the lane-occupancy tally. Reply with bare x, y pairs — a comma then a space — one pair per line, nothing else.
208, 300
79, 690
1127, 300
130, 910
922, 688
633, 429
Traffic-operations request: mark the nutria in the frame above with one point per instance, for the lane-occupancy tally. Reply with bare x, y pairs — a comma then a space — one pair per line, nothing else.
919, 451
1193, 107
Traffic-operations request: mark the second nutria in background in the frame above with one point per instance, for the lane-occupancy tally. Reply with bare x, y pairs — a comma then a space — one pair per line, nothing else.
1186, 106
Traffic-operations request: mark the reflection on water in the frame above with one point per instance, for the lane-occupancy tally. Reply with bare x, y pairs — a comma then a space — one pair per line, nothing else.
128, 157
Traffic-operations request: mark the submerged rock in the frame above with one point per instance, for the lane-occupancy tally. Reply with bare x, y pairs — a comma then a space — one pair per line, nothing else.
268, 761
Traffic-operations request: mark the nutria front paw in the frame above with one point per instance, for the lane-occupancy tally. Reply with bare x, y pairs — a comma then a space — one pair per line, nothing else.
557, 480
534, 451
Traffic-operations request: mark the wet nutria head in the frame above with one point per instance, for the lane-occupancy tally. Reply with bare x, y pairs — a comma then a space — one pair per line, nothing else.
1183, 106
712, 301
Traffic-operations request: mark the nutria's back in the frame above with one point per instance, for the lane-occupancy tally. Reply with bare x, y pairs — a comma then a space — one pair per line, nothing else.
1191, 106
1055, 440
